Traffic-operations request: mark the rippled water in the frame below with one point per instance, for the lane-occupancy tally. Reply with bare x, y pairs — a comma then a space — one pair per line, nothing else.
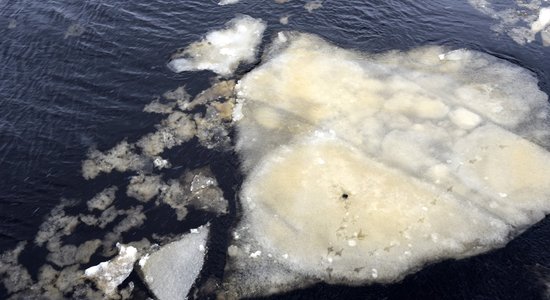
76, 74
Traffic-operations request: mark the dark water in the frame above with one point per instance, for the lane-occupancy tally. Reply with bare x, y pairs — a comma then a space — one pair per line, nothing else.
62, 92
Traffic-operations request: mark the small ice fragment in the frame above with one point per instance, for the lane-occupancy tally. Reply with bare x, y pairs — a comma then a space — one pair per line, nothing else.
238, 111
74, 30
352, 243
374, 273
103, 199
282, 37
542, 21
464, 118
201, 181
143, 260
227, 2
256, 254
545, 35
12, 23
232, 250
160, 163
313, 5
194, 230
223, 50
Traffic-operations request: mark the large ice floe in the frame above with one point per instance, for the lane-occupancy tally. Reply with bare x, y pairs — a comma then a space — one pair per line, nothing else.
223, 50
522, 20
364, 167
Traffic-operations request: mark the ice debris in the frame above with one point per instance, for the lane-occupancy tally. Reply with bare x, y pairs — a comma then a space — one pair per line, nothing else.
122, 158
517, 19
110, 274
223, 50
227, 2
103, 199
543, 21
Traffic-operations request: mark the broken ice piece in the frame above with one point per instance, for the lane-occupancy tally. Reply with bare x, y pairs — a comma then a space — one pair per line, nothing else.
161, 163
171, 271
108, 275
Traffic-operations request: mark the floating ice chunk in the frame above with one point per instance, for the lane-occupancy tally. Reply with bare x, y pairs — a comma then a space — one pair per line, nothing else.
416, 105
284, 20
160, 108
514, 18
103, 200
223, 50
176, 129
205, 193
121, 157
13, 276
256, 254
144, 187
227, 2
110, 274
171, 271
75, 30
70, 254
542, 21
12, 23
179, 95
161, 163
57, 225
310, 6
376, 170
545, 37
327, 206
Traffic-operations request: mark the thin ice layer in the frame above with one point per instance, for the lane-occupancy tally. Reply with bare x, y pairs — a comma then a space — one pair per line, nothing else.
397, 132
223, 50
